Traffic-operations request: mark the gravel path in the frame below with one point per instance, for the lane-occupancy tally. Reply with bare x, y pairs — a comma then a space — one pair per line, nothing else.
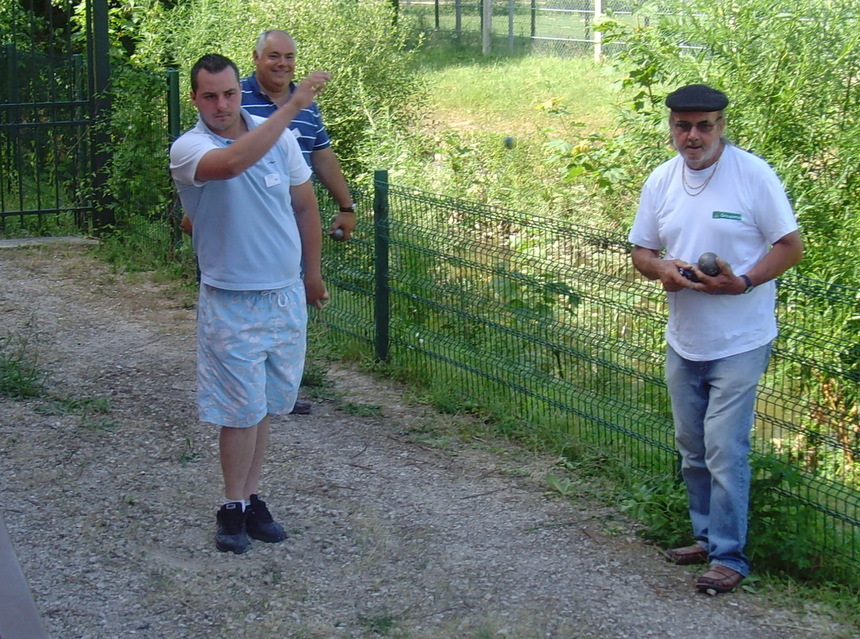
395, 529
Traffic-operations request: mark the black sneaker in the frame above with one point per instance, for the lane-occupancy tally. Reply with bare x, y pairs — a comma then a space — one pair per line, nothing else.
301, 407
231, 529
259, 522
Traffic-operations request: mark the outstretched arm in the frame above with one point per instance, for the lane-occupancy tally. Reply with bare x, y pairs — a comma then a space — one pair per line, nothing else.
230, 161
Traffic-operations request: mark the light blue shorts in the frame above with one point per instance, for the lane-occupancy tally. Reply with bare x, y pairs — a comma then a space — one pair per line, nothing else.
250, 353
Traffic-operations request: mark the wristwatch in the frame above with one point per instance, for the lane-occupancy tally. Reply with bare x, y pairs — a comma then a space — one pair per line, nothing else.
348, 209
750, 285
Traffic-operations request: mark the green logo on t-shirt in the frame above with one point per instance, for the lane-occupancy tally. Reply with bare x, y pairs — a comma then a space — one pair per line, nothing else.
725, 215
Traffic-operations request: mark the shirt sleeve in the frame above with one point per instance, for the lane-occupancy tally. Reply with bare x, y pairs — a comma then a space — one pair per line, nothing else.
775, 215
645, 231
298, 169
186, 153
322, 140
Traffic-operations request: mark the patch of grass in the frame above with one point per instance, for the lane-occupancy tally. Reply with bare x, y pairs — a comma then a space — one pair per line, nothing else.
99, 424
520, 96
475, 103
189, 452
81, 406
21, 376
314, 374
363, 410
381, 624
838, 601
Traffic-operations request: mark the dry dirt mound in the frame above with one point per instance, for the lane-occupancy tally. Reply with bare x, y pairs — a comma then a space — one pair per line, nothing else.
394, 530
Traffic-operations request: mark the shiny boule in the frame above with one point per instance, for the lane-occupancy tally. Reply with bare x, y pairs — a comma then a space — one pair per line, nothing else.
708, 264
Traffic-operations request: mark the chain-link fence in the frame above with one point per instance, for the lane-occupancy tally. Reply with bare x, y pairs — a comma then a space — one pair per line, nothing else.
554, 27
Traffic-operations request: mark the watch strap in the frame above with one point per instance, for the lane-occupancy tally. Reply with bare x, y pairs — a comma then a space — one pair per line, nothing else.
748, 281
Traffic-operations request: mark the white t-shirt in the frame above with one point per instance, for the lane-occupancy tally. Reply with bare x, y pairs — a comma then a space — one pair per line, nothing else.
245, 232
738, 216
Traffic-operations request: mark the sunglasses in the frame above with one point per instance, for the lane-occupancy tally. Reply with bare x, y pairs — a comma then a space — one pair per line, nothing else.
682, 126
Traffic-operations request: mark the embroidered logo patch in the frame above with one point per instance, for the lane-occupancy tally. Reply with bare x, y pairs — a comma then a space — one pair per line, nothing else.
725, 215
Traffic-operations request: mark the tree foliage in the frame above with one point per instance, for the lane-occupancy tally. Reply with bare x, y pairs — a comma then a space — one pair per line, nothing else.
792, 73
359, 43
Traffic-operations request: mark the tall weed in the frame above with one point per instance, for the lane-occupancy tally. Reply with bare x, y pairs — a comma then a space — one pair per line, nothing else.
20, 373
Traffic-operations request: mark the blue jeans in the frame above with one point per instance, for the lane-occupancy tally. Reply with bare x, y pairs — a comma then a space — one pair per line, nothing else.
713, 406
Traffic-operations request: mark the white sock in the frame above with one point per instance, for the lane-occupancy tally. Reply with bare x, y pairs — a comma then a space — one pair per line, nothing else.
241, 502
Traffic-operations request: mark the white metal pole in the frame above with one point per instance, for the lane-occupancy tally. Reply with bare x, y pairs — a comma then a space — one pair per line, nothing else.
598, 36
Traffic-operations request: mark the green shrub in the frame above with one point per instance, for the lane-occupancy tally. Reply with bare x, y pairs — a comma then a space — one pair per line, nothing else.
790, 73
359, 43
20, 373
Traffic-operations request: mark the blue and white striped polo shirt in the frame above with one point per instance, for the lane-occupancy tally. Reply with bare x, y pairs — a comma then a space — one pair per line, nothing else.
308, 126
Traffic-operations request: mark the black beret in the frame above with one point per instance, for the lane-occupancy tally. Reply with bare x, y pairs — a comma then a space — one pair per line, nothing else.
696, 98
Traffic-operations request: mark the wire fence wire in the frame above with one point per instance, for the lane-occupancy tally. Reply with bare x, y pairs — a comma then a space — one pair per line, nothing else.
547, 326
553, 27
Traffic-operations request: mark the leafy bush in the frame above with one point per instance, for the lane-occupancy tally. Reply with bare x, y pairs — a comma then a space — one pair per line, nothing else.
138, 179
359, 43
791, 75
782, 535
661, 504
781, 532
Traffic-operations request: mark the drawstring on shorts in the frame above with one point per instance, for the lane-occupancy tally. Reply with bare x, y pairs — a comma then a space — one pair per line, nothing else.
277, 296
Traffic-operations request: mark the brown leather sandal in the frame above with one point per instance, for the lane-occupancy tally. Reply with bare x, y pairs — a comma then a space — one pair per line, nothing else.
687, 555
719, 578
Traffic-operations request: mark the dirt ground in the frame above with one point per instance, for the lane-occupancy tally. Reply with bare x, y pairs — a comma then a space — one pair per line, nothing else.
395, 529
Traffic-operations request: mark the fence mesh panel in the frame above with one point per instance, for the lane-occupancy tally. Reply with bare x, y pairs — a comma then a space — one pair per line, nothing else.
553, 27
549, 325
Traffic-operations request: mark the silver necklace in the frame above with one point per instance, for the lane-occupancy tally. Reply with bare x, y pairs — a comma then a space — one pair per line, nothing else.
692, 190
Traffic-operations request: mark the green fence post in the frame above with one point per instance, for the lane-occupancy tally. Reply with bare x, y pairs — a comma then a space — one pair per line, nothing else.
14, 120
100, 113
173, 104
534, 18
380, 226
173, 123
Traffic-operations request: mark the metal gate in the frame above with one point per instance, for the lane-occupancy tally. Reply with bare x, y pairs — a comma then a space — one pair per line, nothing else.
54, 72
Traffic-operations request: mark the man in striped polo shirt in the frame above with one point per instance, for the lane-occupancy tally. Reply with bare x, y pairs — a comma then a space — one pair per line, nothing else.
271, 86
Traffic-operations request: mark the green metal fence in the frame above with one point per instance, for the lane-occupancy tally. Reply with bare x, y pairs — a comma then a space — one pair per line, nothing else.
52, 153
490, 306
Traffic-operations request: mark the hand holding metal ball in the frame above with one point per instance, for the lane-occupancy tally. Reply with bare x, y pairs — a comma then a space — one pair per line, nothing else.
337, 235
707, 264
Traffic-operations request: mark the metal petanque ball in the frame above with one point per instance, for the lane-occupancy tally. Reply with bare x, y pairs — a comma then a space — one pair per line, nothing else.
337, 235
708, 264
510, 142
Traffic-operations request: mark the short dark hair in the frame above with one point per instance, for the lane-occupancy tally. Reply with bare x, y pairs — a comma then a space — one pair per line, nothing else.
213, 63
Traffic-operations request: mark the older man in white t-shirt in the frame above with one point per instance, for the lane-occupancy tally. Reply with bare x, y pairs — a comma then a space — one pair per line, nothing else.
714, 197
